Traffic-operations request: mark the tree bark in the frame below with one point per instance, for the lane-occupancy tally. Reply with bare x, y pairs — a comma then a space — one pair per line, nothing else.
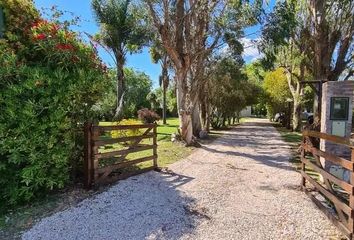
297, 116
164, 84
197, 125
183, 105
164, 105
120, 85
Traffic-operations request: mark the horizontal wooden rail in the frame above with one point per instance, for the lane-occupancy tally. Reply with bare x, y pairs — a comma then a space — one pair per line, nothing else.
125, 164
335, 139
344, 207
121, 154
122, 127
330, 157
346, 186
137, 148
102, 142
344, 217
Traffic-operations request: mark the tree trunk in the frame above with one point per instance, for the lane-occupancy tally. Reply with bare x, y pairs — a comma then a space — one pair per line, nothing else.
183, 105
204, 112
120, 85
297, 116
164, 105
224, 121
197, 125
208, 115
164, 84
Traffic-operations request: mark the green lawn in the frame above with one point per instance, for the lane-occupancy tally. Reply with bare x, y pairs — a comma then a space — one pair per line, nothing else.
167, 151
294, 140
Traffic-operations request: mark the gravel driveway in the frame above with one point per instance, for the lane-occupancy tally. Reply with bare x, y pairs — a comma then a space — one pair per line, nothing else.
239, 187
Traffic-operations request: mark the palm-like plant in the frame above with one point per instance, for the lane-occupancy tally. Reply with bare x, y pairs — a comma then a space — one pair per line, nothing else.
124, 29
159, 55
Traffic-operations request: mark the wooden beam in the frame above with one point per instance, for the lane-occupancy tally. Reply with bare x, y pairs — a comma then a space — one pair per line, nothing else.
335, 139
155, 146
137, 148
125, 164
330, 215
345, 208
346, 186
330, 157
102, 142
88, 164
123, 127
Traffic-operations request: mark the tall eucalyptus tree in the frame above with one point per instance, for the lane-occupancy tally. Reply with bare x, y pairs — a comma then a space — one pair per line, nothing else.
190, 31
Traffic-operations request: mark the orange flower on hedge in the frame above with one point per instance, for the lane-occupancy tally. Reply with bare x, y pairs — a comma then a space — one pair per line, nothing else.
40, 36
54, 29
38, 23
63, 46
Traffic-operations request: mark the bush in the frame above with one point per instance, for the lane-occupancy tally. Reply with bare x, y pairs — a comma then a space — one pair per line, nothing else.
148, 116
122, 133
49, 84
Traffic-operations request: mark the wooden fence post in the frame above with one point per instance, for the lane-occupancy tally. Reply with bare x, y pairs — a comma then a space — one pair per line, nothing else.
351, 198
303, 180
87, 155
95, 136
155, 145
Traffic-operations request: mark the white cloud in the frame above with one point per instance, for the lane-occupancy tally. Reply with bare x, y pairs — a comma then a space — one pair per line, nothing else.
250, 49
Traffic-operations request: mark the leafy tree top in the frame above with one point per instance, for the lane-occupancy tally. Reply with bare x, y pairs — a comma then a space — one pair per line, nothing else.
124, 25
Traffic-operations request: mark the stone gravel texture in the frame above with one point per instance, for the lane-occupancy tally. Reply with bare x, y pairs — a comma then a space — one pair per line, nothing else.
241, 186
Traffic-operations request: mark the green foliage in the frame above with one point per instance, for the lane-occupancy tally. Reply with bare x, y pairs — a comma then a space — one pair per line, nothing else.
124, 28
138, 86
123, 24
278, 29
229, 84
123, 132
277, 91
255, 74
49, 82
156, 100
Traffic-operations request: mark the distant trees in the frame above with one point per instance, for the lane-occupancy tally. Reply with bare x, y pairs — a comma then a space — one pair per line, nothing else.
138, 87
229, 91
310, 40
123, 29
277, 91
190, 31
157, 98
159, 55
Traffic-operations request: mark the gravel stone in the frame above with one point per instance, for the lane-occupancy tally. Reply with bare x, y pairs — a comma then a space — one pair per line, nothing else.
239, 187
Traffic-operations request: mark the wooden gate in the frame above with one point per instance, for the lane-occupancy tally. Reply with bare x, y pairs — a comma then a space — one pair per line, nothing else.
109, 149
337, 192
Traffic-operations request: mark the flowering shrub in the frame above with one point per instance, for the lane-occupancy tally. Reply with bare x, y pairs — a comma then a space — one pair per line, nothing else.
148, 116
49, 81
61, 47
125, 132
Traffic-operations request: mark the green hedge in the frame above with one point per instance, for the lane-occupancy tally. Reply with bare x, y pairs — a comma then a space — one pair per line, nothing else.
49, 81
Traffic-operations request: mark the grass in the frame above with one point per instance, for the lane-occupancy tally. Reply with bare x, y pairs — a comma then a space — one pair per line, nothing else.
294, 140
167, 151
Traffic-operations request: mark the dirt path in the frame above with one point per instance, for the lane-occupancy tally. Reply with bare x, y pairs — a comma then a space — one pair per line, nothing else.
239, 187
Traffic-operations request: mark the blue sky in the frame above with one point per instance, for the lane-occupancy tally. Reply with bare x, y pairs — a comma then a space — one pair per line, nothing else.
140, 61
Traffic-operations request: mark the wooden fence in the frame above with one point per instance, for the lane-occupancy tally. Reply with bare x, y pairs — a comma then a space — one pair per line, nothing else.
106, 154
337, 192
